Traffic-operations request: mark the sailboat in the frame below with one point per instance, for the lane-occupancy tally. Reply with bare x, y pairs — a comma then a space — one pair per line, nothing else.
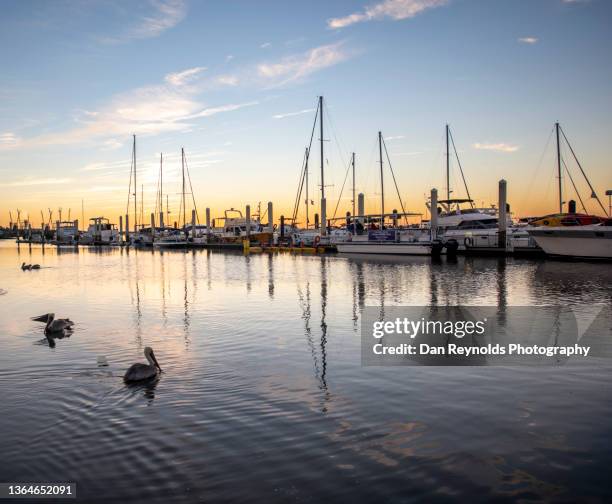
175, 238
389, 239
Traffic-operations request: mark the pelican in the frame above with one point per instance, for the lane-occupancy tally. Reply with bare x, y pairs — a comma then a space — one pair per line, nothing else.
25, 266
35, 266
54, 325
139, 372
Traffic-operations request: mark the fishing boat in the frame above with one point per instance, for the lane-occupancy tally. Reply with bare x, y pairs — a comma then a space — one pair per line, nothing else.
100, 232
235, 228
66, 232
591, 241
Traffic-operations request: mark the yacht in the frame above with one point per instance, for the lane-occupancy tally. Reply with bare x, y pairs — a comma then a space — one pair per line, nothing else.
591, 241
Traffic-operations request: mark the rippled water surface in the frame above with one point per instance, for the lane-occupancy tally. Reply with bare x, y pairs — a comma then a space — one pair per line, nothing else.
263, 395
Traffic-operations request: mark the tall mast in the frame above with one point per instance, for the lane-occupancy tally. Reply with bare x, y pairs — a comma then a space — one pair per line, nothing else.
135, 185
183, 168
161, 182
447, 167
382, 182
307, 201
321, 139
559, 169
354, 222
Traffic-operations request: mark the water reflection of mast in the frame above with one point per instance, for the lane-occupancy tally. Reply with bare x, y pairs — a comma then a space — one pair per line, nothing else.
136, 301
323, 323
163, 288
502, 292
186, 302
271, 276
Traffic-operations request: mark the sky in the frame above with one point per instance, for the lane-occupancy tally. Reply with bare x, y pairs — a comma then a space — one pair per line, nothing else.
235, 83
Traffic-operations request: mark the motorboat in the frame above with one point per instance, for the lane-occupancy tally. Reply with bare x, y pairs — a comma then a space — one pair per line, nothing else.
591, 241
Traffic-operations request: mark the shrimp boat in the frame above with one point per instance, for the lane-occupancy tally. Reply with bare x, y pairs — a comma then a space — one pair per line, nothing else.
100, 232
235, 228
66, 232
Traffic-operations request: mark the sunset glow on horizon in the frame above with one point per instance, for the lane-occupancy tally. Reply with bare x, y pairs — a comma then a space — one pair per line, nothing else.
236, 85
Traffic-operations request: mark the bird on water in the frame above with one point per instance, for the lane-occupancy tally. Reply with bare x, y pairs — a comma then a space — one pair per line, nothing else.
53, 325
140, 372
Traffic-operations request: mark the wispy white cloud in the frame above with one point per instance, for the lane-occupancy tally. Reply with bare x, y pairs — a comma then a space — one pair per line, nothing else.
394, 9
229, 58
148, 110
396, 137
291, 114
9, 139
228, 80
166, 14
183, 77
296, 67
36, 182
528, 40
207, 112
265, 45
498, 147
112, 144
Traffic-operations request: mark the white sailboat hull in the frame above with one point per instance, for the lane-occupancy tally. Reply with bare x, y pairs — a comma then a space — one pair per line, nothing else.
380, 247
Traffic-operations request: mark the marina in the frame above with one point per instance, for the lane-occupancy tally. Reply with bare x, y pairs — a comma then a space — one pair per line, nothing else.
284, 252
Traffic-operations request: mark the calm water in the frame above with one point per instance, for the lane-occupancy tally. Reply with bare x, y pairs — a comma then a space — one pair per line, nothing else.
263, 395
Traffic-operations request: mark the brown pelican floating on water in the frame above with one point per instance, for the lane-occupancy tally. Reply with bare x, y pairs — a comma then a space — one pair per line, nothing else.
139, 372
25, 266
54, 325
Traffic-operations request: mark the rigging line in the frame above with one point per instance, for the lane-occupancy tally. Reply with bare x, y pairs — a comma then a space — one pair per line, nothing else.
333, 128
394, 181
574, 185
298, 197
191, 189
531, 182
127, 208
341, 190
593, 193
157, 195
301, 184
460, 168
